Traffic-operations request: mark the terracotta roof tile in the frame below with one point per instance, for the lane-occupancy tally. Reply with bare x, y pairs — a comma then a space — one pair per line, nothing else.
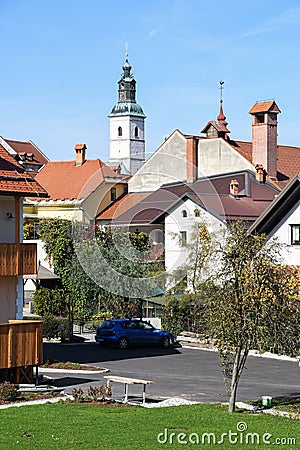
261, 107
14, 180
288, 159
29, 148
121, 206
63, 180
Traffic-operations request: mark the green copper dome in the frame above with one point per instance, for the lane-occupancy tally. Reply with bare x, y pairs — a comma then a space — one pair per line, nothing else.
126, 108
127, 104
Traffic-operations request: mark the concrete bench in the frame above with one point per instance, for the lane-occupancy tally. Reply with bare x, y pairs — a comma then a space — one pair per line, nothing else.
127, 381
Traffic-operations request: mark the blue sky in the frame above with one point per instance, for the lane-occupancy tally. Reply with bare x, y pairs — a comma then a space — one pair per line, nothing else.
61, 60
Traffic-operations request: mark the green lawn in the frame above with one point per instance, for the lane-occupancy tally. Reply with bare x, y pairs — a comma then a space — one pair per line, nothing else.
96, 427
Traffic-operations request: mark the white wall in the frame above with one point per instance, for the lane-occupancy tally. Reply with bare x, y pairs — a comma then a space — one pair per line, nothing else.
216, 156
290, 253
7, 226
127, 148
175, 254
166, 165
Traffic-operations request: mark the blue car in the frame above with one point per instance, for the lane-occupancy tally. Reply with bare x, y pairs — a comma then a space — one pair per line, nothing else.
124, 332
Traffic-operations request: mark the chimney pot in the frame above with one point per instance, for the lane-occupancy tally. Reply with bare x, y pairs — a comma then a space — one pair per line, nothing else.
234, 188
260, 173
80, 150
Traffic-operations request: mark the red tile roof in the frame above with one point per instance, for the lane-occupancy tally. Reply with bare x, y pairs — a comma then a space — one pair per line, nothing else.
63, 180
121, 206
29, 147
261, 107
288, 159
14, 180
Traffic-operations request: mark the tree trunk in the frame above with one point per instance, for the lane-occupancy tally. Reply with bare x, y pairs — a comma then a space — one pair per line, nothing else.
234, 380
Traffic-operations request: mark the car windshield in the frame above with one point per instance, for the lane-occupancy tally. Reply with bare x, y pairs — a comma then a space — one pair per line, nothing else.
108, 324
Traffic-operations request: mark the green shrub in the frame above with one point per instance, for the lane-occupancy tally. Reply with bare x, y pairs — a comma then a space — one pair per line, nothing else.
49, 302
55, 327
98, 318
185, 313
8, 391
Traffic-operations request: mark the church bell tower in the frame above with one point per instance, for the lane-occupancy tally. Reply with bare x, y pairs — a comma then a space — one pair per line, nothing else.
127, 125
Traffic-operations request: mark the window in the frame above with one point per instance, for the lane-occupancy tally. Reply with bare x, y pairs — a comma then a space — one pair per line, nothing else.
120, 131
113, 194
184, 213
260, 118
295, 234
183, 239
136, 132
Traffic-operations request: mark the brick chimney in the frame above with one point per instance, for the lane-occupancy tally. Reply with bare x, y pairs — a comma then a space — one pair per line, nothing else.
260, 173
80, 153
234, 188
264, 136
191, 158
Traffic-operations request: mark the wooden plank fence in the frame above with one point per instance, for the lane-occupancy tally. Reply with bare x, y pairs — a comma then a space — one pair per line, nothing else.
21, 345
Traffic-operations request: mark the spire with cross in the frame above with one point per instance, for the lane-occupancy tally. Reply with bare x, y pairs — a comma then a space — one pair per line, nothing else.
221, 117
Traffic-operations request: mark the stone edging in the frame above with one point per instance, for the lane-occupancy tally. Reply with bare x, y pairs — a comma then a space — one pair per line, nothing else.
83, 371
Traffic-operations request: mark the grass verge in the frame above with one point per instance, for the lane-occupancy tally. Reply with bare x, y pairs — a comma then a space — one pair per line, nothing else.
68, 425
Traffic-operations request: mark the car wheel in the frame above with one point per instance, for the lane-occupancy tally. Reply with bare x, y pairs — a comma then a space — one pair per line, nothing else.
123, 343
165, 342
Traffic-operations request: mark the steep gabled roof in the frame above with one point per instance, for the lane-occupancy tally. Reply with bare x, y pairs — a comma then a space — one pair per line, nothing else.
14, 180
63, 180
23, 148
262, 107
217, 125
210, 193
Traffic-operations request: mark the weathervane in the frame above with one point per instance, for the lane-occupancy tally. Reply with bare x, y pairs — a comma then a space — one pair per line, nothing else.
126, 48
221, 91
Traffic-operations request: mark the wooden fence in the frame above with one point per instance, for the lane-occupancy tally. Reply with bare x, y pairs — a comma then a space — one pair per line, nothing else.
18, 259
21, 348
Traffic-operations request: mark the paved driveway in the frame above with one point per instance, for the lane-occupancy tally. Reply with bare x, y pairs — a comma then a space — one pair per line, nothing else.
192, 374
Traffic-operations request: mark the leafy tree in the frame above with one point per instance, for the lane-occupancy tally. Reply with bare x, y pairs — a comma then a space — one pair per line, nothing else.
49, 302
187, 312
202, 255
253, 300
99, 269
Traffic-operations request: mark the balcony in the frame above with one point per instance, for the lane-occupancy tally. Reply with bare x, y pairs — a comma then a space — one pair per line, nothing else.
17, 259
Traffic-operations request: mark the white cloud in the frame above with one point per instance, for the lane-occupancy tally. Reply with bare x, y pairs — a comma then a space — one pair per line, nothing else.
154, 32
289, 17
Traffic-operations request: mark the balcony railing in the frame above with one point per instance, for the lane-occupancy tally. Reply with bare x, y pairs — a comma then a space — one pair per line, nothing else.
17, 259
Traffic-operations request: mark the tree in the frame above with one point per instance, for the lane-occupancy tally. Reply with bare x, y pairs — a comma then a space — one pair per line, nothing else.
97, 267
253, 299
202, 253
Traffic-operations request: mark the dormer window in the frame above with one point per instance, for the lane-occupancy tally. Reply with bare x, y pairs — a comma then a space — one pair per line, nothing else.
29, 156
120, 133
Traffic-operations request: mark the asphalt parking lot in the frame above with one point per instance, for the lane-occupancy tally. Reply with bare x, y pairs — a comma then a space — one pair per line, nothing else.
192, 374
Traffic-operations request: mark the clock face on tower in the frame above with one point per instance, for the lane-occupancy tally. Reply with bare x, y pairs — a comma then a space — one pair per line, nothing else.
122, 95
